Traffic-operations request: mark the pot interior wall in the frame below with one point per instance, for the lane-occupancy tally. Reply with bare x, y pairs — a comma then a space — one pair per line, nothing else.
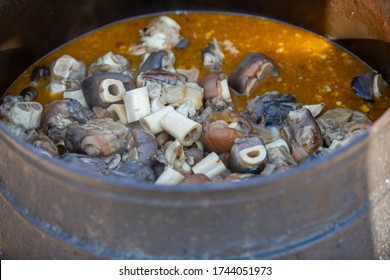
44, 25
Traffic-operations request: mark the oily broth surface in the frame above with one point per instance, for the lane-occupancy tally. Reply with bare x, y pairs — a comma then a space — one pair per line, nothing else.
312, 68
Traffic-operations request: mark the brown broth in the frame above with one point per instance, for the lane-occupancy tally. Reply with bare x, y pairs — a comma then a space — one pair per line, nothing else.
311, 67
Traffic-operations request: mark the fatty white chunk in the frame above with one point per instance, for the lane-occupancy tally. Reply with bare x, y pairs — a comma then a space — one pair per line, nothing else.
183, 129
315, 109
210, 166
152, 122
277, 143
26, 114
253, 156
120, 111
137, 104
111, 90
187, 109
170, 177
178, 95
67, 67
224, 90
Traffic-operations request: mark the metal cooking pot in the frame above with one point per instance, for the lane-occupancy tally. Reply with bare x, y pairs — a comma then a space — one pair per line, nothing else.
334, 208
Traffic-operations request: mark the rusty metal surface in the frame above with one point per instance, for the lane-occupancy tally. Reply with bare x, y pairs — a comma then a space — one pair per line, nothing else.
338, 208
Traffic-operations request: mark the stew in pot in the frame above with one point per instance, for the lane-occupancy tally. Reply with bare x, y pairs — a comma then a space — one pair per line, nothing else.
194, 98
